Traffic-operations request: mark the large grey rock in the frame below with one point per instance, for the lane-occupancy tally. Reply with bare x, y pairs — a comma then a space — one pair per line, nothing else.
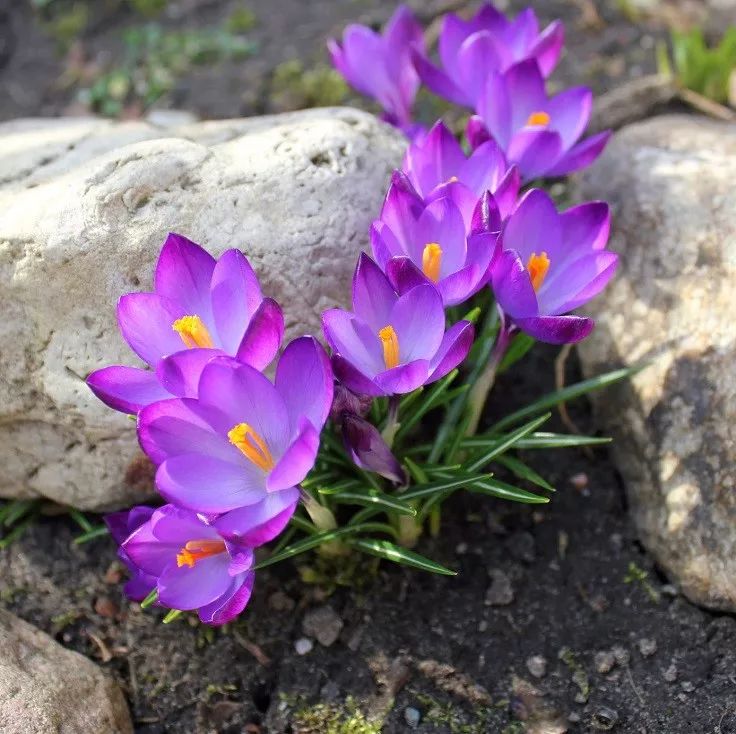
84, 207
670, 181
47, 689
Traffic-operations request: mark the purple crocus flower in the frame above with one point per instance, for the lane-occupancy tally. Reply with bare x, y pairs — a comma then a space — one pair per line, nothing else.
392, 343
206, 565
416, 241
380, 67
552, 263
488, 43
368, 450
200, 308
243, 437
439, 159
539, 134
121, 526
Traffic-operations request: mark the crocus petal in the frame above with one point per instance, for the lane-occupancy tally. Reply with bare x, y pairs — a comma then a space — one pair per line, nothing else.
183, 275
182, 587
175, 526
570, 112
556, 329
534, 227
525, 86
205, 484
230, 604
507, 192
438, 81
404, 274
146, 322
454, 348
352, 338
442, 223
263, 336
179, 373
460, 285
373, 296
181, 426
419, 321
384, 244
246, 396
495, 108
297, 460
476, 132
122, 524
241, 558
361, 43
235, 294
146, 552
404, 378
127, 389
304, 381
486, 215
512, 286
582, 280
535, 151
586, 225
139, 586
548, 47
477, 57
435, 161
261, 522
353, 378
484, 169
368, 450
581, 155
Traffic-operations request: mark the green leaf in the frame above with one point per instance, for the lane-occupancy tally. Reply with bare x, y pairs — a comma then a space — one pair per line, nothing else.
559, 441
521, 470
397, 554
172, 615
504, 491
443, 485
338, 487
520, 345
14, 511
319, 478
80, 519
565, 394
410, 420
417, 472
372, 497
313, 541
98, 532
503, 443
150, 599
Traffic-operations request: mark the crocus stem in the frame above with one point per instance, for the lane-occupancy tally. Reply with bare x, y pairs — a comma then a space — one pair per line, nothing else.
320, 515
392, 421
482, 386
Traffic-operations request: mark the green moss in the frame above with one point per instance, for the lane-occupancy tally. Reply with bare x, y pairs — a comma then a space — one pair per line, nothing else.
325, 718
149, 8
454, 718
241, 20
294, 87
637, 575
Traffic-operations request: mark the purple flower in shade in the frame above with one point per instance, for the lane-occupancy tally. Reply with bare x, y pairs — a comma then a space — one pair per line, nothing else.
539, 134
243, 437
121, 526
380, 66
439, 159
392, 344
368, 450
488, 43
200, 308
206, 565
550, 264
418, 242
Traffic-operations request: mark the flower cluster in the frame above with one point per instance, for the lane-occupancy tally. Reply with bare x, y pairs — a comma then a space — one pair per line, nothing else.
235, 450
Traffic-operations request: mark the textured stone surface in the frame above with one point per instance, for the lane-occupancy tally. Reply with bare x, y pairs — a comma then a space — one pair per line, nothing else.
84, 207
46, 689
670, 181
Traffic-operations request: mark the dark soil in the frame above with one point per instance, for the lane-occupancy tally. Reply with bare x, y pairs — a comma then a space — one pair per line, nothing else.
570, 582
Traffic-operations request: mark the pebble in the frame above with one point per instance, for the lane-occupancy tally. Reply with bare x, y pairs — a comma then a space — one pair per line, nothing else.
604, 719
621, 654
412, 717
537, 665
500, 592
330, 691
687, 686
579, 481
323, 624
647, 646
106, 607
303, 646
461, 549
670, 675
604, 661
280, 602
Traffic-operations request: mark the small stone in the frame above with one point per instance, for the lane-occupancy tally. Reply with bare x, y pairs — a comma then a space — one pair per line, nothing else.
647, 646
280, 602
604, 719
482, 625
303, 646
687, 686
323, 624
574, 717
412, 717
579, 481
621, 654
114, 574
537, 665
461, 549
604, 661
617, 541
670, 675
522, 547
330, 691
106, 607
500, 592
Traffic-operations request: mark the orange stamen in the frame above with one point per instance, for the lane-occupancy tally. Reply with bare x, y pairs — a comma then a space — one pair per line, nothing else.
432, 261
390, 342
193, 332
196, 550
537, 265
539, 119
252, 445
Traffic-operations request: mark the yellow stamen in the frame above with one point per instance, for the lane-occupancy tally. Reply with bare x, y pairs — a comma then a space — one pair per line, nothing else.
196, 550
432, 261
252, 445
193, 332
537, 265
390, 342
539, 119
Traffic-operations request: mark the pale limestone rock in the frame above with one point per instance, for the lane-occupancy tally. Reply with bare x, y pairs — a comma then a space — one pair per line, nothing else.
84, 208
670, 182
